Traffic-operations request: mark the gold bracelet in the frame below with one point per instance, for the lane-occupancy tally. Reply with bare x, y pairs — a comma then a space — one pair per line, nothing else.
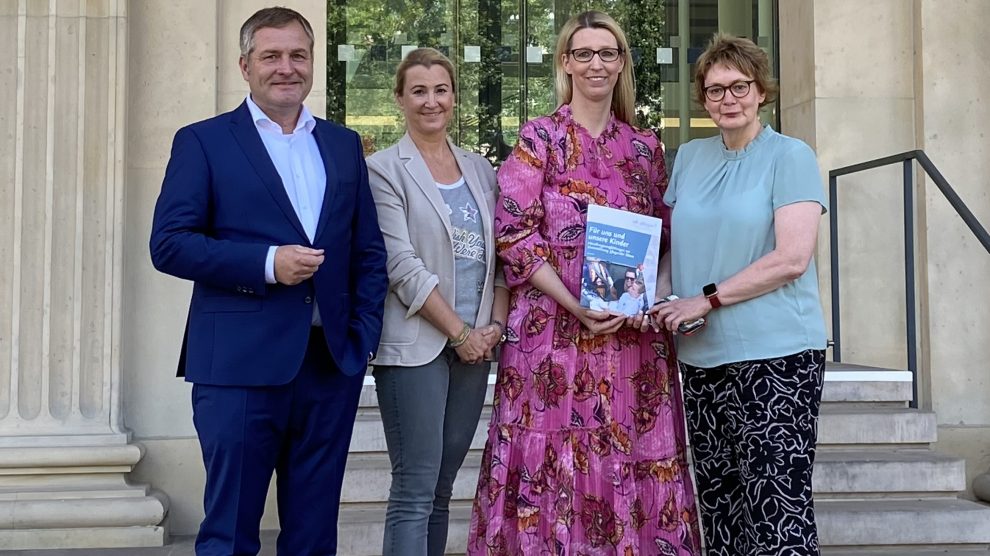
461, 338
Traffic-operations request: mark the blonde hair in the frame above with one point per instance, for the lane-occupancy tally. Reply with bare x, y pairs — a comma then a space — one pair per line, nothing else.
740, 54
624, 94
426, 57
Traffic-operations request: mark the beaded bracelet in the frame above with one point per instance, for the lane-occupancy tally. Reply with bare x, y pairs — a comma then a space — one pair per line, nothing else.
461, 338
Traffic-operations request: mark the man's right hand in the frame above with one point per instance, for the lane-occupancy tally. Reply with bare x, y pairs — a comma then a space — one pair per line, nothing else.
295, 263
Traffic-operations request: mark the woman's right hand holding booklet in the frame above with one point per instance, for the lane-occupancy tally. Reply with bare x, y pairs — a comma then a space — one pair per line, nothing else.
600, 322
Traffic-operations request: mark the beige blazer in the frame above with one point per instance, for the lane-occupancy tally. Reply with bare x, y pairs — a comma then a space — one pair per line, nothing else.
418, 238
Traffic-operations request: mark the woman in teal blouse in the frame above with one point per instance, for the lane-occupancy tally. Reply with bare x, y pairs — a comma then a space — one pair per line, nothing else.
746, 206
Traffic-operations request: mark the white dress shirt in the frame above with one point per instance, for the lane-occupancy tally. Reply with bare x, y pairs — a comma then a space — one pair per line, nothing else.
297, 159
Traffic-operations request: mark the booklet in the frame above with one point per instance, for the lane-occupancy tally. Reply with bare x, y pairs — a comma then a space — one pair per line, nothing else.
621, 257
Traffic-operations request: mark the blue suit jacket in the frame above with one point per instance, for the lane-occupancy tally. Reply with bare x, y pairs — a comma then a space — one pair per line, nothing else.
221, 206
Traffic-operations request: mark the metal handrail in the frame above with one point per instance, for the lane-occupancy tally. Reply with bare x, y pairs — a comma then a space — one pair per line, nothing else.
909, 264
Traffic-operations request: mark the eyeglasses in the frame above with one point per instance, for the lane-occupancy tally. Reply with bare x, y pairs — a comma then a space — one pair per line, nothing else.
606, 55
739, 89
630, 278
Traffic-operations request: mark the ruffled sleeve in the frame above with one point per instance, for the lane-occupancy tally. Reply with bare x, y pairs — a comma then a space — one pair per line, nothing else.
520, 212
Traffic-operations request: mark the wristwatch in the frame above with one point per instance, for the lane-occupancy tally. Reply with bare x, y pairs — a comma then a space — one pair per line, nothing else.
711, 292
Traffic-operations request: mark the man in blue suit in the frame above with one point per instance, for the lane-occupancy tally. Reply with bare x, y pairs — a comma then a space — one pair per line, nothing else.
276, 343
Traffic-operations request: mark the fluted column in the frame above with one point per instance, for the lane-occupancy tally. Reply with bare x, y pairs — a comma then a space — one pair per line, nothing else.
64, 453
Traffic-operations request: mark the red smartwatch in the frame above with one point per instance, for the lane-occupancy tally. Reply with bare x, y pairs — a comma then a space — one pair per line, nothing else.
711, 292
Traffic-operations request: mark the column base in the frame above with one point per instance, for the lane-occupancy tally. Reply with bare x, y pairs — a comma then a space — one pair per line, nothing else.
77, 497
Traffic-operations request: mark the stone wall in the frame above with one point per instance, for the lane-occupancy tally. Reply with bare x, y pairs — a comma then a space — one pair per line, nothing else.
862, 80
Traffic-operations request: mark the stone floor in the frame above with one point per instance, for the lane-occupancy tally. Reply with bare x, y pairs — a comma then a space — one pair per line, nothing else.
179, 546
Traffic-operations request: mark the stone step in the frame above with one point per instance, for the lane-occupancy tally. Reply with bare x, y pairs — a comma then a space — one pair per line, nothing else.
360, 529
369, 436
838, 425
838, 474
887, 472
860, 384
845, 425
889, 523
368, 477
846, 528
843, 383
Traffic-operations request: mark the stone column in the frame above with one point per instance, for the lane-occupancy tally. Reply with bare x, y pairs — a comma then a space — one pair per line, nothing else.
64, 453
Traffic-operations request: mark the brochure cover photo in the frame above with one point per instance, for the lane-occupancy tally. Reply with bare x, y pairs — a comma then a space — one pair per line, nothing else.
621, 257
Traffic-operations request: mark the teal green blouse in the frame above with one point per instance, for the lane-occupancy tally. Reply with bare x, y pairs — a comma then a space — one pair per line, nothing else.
723, 220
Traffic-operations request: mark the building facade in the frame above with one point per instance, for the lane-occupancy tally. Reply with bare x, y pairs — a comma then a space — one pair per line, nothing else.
96, 435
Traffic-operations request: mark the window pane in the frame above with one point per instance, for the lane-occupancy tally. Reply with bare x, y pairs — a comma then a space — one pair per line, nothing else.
503, 55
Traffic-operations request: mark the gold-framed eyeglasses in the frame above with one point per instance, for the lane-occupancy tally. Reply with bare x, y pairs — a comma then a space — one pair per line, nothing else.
606, 55
739, 89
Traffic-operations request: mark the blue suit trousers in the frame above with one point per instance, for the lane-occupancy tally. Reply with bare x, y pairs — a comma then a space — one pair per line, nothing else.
301, 431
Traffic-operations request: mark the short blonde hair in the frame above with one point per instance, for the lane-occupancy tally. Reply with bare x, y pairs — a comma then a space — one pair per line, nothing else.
624, 94
426, 57
740, 54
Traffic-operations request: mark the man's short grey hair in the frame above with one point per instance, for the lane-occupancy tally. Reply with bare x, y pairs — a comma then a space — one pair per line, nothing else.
277, 17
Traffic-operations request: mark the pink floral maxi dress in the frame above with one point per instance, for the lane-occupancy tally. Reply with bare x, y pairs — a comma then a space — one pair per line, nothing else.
586, 451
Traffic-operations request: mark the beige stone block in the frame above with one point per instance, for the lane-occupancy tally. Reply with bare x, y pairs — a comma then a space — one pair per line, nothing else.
70, 9
864, 49
9, 122
971, 443
66, 9
104, 8
33, 207
798, 120
954, 102
81, 8
36, 9
797, 53
870, 223
172, 73
960, 342
66, 209
99, 194
851, 131
84, 537
176, 467
156, 402
317, 103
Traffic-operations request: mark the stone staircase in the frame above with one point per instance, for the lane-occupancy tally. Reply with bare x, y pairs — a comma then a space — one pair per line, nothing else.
880, 489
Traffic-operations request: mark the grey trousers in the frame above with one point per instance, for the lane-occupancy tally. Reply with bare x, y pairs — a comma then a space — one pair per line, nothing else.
430, 414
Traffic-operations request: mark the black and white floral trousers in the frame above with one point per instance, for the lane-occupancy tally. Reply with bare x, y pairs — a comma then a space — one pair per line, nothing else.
753, 427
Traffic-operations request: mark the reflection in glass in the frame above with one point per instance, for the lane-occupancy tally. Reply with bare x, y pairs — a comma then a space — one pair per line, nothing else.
502, 52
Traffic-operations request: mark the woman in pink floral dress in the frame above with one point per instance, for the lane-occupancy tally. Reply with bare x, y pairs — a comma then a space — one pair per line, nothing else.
585, 452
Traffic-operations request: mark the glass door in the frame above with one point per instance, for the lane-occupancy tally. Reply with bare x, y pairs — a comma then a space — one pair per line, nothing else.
503, 55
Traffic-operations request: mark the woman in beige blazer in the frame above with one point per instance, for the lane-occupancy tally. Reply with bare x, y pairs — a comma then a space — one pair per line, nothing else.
446, 307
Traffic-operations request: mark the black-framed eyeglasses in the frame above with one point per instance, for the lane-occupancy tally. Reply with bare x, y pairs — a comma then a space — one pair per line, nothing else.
586, 54
630, 278
739, 89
